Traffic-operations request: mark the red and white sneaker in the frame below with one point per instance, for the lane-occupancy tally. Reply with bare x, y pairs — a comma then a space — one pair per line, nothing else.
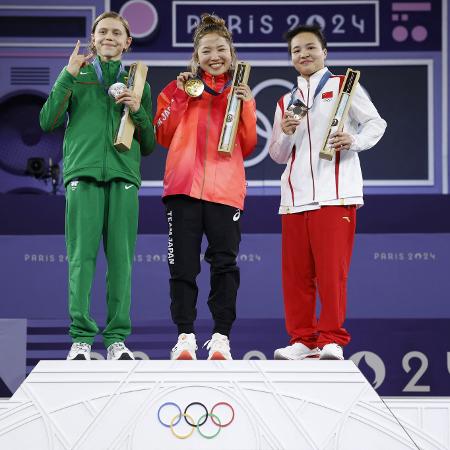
185, 347
219, 347
296, 351
332, 351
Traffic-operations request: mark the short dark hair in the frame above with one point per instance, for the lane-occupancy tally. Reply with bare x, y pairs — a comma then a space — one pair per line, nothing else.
314, 29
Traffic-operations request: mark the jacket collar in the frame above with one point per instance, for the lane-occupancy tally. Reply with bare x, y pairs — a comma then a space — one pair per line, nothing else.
214, 81
110, 71
314, 80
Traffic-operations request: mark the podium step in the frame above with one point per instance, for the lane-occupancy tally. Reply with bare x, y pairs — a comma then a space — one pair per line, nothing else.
254, 405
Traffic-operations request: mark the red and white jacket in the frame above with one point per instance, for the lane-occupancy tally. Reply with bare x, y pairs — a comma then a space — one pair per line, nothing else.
190, 128
308, 181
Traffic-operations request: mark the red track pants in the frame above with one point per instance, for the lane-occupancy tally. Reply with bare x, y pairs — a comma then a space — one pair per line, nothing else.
316, 252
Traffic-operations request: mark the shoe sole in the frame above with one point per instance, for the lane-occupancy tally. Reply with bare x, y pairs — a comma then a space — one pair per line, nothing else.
216, 356
79, 358
330, 358
184, 356
281, 357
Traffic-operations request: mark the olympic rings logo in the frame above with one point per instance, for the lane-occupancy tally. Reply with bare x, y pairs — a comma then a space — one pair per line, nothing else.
195, 424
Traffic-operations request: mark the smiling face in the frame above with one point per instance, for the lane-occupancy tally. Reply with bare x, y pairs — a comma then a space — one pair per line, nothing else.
110, 39
214, 54
307, 54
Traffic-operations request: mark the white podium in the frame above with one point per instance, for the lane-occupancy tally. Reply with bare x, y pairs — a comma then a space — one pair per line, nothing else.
141, 405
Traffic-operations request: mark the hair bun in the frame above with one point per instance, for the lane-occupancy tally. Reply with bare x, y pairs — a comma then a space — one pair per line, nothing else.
211, 19
209, 24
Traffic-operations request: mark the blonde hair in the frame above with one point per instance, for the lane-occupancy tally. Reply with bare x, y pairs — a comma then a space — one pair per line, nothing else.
210, 23
109, 15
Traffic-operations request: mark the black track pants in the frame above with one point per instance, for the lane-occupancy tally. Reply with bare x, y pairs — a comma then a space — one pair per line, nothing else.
188, 220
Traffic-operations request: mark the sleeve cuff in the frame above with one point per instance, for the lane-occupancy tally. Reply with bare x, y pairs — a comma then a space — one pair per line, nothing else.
141, 118
66, 79
286, 139
354, 145
249, 104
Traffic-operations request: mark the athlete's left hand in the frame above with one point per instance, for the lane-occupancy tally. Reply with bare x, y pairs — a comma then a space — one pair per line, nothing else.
243, 92
341, 141
130, 99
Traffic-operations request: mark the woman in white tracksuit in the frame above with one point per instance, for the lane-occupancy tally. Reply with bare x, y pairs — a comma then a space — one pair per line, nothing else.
319, 198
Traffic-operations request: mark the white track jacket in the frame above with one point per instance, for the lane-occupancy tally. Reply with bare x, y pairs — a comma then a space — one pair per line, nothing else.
308, 181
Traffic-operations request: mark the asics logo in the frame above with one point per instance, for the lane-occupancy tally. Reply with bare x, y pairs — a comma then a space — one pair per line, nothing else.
237, 215
128, 186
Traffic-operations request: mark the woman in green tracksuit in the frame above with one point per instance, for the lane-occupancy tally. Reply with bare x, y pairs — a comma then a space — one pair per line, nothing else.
101, 183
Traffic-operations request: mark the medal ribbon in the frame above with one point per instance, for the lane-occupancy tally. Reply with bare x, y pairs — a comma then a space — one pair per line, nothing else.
319, 87
210, 90
98, 71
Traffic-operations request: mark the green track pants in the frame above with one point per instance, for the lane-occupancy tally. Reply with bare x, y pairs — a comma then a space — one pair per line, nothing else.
96, 210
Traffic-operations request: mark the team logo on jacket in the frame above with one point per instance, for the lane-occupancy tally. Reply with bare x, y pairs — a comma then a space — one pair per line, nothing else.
327, 96
74, 184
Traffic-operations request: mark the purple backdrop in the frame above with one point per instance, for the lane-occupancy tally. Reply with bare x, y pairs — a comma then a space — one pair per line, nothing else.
398, 308
392, 276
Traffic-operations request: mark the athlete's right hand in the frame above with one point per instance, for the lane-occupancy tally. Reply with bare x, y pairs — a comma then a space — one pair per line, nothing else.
76, 61
289, 123
182, 78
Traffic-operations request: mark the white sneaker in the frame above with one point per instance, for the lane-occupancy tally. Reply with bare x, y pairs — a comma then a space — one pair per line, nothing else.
118, 350
296, 351
219, 347
79, 351
332, 351
185, 347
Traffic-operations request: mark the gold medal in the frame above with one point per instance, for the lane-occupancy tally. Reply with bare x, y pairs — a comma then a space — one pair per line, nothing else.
194, 87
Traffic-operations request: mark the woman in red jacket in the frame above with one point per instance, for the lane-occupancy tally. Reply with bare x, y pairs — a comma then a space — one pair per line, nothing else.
204, 190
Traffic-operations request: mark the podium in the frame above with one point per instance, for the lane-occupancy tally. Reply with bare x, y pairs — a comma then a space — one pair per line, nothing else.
254, 405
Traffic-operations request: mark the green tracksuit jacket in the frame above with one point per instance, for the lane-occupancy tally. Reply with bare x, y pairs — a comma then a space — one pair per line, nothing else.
93, 121
101, 192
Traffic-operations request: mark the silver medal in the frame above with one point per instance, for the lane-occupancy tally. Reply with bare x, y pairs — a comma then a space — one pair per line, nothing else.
116, 89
